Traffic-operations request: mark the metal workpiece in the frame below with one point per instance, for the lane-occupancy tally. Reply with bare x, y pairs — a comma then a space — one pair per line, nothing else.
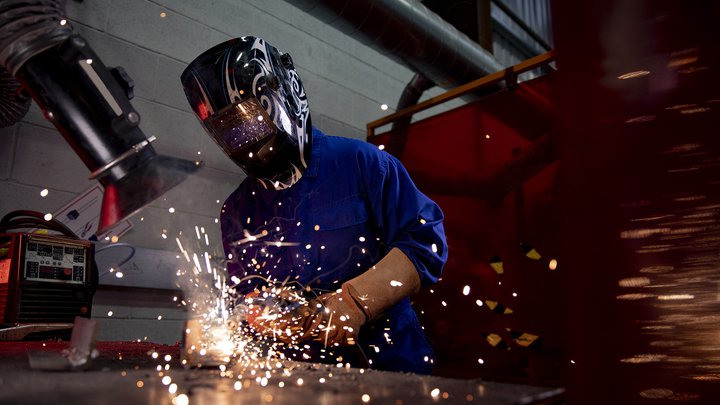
128, 372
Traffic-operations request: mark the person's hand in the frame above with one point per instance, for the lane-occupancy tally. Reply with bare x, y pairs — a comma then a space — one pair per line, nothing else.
265, 315
332, 318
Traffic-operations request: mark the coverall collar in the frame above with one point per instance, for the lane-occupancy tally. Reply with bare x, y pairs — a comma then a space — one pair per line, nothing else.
318, 144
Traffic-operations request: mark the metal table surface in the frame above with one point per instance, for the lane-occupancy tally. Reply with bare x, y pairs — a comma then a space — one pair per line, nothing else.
125, 372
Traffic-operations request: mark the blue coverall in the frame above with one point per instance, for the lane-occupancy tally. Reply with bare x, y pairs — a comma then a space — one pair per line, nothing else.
352, 205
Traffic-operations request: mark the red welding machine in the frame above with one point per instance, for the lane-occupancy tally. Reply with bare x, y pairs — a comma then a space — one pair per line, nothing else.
45, 278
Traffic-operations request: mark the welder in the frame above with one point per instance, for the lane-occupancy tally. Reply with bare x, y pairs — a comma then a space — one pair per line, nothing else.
332, 214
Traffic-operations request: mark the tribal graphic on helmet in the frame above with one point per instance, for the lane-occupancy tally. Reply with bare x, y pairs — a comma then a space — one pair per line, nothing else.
250, 100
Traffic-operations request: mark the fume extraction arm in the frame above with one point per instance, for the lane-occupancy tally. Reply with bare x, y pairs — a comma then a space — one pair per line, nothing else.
87, 102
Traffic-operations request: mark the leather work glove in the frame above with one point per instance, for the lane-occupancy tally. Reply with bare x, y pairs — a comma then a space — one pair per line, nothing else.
333, 318
336, 318
265, 315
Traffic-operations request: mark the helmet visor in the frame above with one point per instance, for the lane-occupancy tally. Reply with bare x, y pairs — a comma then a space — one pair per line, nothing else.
246, 133
241, 125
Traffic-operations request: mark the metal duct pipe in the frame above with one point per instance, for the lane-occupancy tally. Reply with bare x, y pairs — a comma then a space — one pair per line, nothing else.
410, 96
410, 33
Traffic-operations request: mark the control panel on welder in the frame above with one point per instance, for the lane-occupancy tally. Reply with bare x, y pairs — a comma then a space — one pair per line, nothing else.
44, 278
60, 262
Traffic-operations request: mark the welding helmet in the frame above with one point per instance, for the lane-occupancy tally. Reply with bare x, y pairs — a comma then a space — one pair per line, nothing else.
250, 100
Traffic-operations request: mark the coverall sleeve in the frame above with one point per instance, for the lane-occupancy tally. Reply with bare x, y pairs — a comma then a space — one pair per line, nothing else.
408, 219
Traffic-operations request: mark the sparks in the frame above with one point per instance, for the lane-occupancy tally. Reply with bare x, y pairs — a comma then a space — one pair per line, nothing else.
182, 399
634, 74
219, 312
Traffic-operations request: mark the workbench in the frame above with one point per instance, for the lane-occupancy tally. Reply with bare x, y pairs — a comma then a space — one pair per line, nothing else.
127, 373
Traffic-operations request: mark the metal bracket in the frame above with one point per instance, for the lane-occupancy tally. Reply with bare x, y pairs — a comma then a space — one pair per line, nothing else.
133, 150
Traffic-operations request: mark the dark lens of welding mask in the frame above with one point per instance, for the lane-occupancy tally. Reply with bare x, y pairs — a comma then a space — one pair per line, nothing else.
240, 125
249, 137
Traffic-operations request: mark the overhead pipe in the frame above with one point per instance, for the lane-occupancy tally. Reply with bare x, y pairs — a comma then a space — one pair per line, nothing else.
409, 33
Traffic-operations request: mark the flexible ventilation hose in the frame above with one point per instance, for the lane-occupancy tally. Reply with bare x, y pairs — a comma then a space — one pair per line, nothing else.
27, 28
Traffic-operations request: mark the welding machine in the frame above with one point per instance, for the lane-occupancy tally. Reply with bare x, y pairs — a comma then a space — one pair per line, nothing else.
45, 279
